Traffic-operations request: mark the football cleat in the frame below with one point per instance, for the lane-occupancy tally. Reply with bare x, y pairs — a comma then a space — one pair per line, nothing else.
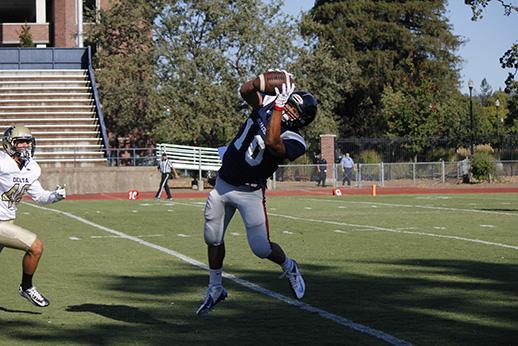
35, 297
214, 295
294, 276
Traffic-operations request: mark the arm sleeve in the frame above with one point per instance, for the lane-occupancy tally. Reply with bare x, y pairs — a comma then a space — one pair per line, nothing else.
294, 144
40, 195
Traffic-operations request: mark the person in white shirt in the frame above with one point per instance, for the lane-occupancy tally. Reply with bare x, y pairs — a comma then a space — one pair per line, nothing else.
19, 174
348, 166
166, 168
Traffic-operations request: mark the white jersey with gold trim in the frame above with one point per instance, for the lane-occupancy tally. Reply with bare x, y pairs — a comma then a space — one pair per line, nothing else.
15, 182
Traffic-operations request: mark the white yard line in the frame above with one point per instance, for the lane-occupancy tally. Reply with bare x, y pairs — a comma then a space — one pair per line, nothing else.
478, 211
303, 306
394, 230
385, 229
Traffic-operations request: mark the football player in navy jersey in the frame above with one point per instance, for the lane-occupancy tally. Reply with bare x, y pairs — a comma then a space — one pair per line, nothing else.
268, 137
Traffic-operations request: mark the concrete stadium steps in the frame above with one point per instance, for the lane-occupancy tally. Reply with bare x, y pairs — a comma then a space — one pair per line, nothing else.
30, 103
48, 95
59, 108
31, 122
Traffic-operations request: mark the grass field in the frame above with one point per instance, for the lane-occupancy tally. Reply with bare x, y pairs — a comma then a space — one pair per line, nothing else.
419, 269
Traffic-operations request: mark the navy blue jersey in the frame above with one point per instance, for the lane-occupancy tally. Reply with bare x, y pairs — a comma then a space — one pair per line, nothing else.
247, 160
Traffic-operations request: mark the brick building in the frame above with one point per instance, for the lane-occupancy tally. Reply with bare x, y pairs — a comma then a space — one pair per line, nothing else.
53, 23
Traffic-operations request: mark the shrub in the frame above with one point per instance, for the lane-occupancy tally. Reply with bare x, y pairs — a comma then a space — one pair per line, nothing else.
370, 156
25, 36
482, 166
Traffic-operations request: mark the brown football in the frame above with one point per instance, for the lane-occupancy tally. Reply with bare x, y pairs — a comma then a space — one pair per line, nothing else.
267, 82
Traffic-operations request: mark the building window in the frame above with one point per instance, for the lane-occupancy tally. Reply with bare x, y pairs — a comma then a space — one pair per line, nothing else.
89, 10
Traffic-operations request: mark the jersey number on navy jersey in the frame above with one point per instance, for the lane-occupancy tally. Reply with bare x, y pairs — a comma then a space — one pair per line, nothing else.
255, 151
14, 195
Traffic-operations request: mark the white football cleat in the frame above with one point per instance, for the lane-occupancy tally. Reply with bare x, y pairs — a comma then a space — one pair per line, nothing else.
294, 276
214, 295
35, 297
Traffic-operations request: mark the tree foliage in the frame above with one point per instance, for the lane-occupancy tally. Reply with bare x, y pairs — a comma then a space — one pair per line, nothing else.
204, 60
510, 57
125, 64
405, 48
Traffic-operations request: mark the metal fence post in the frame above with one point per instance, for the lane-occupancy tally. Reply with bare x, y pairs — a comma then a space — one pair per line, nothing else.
382, 174
274, 180
200, 178
359, 176
443, 172
413, 172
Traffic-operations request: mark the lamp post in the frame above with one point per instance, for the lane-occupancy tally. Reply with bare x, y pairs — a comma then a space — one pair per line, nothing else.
470, 86
497, 105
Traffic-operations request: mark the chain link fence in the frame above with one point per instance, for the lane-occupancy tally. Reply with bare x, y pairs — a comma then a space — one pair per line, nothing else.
386, 174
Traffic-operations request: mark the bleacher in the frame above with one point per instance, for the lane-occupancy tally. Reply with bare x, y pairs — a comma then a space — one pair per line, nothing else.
59, 107
190, 158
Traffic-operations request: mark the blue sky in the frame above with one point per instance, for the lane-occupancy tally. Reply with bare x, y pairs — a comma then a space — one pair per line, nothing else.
486, 40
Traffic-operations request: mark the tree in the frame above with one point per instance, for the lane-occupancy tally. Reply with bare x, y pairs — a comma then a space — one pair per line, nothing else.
125, 64
485, 93
404, 46
204, 59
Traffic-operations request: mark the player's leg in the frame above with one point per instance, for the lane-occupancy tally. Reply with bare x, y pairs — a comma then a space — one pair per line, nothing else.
217, 217
253, 211
16, 237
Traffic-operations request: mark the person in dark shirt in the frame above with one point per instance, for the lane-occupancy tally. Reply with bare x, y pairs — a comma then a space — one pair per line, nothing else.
268, 137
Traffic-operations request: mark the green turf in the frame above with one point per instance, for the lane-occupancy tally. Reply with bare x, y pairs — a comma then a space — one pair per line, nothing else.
403, 265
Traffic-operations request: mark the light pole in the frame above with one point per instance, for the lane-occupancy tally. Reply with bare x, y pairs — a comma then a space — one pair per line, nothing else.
497, 105
470, 86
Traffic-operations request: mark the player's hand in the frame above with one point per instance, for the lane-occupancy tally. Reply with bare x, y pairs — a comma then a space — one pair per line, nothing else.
284, 95
60, 193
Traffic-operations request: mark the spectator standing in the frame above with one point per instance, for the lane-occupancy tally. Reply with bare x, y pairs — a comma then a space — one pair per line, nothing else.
322, 171
348, 165
166, 169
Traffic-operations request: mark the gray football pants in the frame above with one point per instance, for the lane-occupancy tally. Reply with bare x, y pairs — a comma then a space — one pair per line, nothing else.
220, 208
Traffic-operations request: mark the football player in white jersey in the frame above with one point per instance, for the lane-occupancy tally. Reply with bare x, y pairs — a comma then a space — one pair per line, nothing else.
19, 174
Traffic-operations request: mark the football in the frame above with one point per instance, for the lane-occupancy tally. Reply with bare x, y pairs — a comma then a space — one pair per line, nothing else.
267, 82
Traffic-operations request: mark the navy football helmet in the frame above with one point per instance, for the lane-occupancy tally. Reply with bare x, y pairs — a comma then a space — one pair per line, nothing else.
305, 104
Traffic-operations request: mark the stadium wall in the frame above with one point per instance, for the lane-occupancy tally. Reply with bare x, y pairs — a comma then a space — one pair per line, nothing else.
106, 179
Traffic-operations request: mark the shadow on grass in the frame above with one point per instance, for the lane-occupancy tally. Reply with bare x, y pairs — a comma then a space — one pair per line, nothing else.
425, 302
121, 313
19, 311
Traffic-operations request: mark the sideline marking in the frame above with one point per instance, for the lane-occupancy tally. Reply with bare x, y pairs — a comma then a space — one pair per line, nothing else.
254, 287
117, 236
393, 230
369, 228
426, 207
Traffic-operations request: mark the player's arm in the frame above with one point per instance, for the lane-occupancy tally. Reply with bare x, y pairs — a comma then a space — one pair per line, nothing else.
274, 142
251, 95
42, 196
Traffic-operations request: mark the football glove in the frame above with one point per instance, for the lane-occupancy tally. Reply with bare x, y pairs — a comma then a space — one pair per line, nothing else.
283, 96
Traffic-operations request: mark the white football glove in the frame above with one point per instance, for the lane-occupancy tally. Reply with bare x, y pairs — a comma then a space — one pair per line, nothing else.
59, 193
283, 96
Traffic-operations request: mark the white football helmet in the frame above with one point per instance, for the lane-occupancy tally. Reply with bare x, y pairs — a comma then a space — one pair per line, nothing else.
16, 133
